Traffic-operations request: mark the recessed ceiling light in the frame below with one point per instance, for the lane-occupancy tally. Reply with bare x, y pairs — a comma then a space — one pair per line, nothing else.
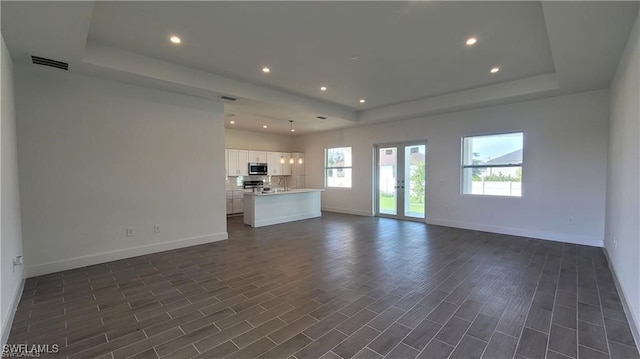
232, 122
266, 70
471, 41
323, 88
264, 126
494, 70
362, 100
293, 130
175, 39
355, 57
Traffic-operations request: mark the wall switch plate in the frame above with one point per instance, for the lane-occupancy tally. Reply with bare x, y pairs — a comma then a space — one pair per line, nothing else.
156, 228
17, 261
130, 232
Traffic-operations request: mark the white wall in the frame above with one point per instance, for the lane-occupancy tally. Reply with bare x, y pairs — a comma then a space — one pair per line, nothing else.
253, 140
623, 184
10, 235
564, 173
96, 157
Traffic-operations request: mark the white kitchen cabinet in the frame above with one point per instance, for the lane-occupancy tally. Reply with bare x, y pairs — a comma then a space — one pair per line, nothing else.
276, 167
243, 162
235, 201
273, 163
258, 156
229, 202
238, 201
286, 166
238, 162
298, 164
226, 162
232, 163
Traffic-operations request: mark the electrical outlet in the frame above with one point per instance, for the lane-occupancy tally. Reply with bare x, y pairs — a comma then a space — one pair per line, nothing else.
156, 228
571, 220
130, 232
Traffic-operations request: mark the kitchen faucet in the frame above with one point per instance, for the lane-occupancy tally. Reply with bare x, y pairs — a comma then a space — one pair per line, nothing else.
285, 183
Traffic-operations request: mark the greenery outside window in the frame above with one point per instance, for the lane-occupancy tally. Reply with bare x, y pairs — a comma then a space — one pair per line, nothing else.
492, 164
338, 169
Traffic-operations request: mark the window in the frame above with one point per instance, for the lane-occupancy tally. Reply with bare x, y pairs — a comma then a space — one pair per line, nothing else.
338, 167
492, 165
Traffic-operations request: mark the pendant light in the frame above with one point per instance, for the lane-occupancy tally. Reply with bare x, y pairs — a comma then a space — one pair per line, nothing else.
291, 130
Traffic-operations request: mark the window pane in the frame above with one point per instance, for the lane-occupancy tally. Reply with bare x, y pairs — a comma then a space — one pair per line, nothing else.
493, 181
339, 157
339, 178
500, 149
388, 180
414, 167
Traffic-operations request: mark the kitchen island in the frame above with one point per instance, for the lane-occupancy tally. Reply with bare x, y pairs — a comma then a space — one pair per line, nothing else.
263, 209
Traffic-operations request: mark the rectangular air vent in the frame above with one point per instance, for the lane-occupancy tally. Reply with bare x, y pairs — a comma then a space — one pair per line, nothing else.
51, 63
228, 98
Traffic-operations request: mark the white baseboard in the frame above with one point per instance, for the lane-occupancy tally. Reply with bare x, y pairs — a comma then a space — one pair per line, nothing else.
8, 320
551, 236
634, 323
71, 263
347, 211
285, 219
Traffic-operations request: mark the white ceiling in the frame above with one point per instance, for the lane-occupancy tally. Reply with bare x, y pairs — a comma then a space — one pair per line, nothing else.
412, 57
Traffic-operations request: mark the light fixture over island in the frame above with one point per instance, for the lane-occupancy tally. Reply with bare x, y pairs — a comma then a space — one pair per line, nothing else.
263, 209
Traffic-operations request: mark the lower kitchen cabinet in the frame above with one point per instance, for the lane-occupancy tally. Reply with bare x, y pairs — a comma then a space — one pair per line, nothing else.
235, 201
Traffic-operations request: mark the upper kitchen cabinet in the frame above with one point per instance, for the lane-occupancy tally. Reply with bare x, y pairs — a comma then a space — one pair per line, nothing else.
238, 162
297, 168
258, 156
286, 166
273, 163
226, 162
278, 163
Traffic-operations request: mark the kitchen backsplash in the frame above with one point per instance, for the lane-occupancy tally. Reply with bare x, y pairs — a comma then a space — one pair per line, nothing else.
235, 182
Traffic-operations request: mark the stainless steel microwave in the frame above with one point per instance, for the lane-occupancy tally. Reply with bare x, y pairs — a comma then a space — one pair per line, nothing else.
258, 168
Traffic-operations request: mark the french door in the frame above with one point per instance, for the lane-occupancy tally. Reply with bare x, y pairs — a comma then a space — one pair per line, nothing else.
400, 180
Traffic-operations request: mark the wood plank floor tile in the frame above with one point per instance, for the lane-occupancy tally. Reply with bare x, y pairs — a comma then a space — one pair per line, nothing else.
338, 286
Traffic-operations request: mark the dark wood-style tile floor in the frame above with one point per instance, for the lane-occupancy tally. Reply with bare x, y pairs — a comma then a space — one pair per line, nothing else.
339, 286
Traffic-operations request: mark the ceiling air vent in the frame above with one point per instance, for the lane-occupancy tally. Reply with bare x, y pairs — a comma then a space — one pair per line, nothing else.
51, 63
228, 98
321, 117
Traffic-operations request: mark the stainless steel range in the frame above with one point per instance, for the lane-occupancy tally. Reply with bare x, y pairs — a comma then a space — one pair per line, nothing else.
252, 184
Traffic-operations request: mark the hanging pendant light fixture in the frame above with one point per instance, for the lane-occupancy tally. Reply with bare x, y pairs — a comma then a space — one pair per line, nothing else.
291, 130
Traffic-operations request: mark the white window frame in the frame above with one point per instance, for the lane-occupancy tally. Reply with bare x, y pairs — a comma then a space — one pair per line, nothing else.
464, 166
337, 168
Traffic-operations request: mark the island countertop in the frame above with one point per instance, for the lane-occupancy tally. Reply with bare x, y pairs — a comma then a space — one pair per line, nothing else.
277, 193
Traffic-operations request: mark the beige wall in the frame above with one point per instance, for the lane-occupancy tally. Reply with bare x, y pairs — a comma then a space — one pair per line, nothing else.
11, 235
253, 140
564, 173
97, 157
623, 184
